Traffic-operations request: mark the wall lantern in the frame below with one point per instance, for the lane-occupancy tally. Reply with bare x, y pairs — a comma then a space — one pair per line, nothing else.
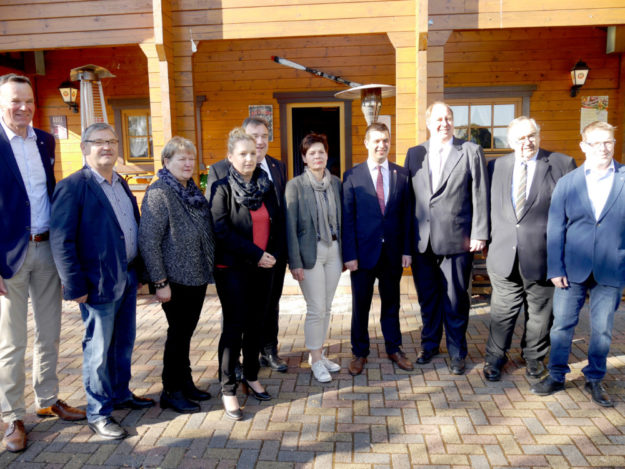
69, 93
579, 73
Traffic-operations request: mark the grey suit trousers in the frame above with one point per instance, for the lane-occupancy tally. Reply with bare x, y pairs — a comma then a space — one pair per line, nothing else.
510, 295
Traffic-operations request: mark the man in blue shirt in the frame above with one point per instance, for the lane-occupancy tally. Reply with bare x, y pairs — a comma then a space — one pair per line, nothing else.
586, 254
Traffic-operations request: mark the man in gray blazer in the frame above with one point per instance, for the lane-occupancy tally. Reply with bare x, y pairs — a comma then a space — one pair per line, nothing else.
450, 184
521, 184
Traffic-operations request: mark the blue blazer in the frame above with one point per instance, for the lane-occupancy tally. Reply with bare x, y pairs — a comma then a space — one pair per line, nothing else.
87, 240
364, 227
14, 203
577, 244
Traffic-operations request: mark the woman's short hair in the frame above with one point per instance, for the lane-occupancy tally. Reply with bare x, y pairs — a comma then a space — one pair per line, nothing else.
177, 144
312, 138
238, 135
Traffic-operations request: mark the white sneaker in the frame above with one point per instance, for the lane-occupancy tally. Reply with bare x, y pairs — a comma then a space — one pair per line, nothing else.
320, 372
329, 364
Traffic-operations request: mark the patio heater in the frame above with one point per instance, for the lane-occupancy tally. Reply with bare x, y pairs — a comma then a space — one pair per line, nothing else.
370, 98
92, 104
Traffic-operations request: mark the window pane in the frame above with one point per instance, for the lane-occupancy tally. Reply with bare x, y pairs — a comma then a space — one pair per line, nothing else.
461, 115
137, 125
481, 115
481, 136
500, 137
139, 148
504, 113
460, 133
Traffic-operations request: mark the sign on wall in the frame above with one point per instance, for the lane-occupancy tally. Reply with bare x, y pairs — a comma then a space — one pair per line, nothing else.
594, 108
265, 112
58, 124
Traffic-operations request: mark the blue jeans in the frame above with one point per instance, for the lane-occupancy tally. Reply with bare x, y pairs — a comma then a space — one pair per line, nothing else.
107, 350
567, 303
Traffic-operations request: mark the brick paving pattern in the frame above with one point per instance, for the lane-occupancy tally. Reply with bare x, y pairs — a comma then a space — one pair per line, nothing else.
385, 418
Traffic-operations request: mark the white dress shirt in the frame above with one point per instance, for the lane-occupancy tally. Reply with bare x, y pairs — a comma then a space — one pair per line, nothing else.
373, 170
33, 174
599, 184
437, 157
516, 176
265, 167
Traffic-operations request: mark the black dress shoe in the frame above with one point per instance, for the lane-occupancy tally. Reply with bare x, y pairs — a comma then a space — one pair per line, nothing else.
247, 389
492, 371
534, 368
192, 393
177, 401
456, 366
547, 386
272, 360
425, 356
232, 414
108, 429
598, 393
135, 402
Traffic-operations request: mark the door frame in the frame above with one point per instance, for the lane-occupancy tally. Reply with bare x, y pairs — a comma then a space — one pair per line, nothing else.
288, 101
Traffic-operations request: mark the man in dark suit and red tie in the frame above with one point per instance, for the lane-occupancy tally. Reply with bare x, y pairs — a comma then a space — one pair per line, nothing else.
521, 184
450, 185
26, 265
376, 244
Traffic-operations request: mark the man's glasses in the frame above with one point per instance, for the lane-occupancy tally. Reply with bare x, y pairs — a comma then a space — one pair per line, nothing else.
609, 144
101, 143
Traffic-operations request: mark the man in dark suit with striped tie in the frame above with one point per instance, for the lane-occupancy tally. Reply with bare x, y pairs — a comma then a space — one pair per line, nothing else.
520, 194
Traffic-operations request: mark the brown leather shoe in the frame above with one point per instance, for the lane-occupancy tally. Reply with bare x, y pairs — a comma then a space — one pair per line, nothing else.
15, 437
356, 365
63, 411
401, 360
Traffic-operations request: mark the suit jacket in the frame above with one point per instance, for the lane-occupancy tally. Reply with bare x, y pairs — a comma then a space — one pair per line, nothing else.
364, 228
525, 237
449, 216
232, 226
87, 240
14, 203
277, 168
301, 220
579, 245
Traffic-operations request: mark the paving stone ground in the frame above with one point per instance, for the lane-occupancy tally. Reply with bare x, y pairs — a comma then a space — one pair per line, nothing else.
385, 418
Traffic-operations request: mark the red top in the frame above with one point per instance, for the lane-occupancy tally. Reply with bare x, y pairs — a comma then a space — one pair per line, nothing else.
261, 224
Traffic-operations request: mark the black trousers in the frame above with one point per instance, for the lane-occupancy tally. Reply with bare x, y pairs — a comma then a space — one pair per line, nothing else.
182, 312
244, 294
269, 338
389, 277
442, 284
510, 295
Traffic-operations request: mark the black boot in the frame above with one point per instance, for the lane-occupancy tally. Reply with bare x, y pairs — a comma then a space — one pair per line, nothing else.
175, 400
191, 392
269, 357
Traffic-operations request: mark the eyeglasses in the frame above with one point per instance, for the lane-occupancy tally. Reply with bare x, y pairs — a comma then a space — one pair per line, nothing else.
101, 143
526, 138
609, 144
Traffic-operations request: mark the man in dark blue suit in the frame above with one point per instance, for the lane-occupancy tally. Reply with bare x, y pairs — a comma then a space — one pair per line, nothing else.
26, 264
94, 239
585, 254
376, 244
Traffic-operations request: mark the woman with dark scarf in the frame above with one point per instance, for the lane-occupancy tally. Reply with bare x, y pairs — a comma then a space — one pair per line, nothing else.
313, 221
177, 244
249, 229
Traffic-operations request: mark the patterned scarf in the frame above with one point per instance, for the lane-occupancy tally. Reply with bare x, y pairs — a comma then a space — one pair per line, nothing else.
327, 214
249, 194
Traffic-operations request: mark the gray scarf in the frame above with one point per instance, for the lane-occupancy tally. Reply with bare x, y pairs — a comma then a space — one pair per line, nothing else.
327, 215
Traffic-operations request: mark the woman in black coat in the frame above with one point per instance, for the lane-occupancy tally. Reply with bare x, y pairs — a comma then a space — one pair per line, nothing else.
249, 229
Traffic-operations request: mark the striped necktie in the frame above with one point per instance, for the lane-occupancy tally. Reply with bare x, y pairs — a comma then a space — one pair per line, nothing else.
379, 189
521, 190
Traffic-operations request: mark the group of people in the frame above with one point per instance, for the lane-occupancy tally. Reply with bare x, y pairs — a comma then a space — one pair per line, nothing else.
546, 226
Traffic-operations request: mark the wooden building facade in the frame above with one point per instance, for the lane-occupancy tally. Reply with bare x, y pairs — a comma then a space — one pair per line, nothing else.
193, 67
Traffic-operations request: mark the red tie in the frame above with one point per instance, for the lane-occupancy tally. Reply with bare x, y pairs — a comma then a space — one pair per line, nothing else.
379, 189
